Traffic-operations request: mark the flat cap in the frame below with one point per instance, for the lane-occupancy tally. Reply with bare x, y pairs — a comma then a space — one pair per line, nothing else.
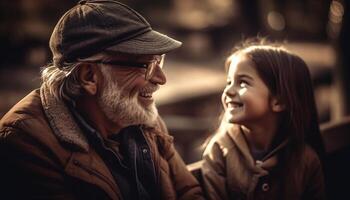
97, 25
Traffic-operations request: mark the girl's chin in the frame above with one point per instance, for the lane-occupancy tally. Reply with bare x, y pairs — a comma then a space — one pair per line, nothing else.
230, 119
233, 120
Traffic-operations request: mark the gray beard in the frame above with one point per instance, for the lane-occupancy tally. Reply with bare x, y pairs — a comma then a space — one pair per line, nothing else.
124, 110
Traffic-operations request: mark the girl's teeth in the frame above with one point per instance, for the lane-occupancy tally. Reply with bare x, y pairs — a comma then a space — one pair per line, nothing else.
234, 105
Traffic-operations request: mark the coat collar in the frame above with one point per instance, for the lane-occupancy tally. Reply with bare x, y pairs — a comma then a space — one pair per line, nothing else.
270, 159
62, 122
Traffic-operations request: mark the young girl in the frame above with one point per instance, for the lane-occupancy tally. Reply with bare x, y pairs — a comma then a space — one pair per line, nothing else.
268, 145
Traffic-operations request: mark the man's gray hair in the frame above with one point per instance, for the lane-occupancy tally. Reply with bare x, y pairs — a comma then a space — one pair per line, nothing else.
63, 83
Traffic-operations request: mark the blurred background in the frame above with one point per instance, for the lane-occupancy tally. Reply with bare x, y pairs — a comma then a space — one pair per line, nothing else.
317, 30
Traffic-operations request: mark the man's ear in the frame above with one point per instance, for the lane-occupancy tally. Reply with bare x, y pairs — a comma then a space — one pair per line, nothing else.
277, 105
88, 77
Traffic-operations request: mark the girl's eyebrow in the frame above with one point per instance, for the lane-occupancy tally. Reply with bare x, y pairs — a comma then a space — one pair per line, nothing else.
244, 76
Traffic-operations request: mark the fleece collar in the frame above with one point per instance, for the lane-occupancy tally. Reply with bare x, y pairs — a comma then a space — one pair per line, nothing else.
62, 122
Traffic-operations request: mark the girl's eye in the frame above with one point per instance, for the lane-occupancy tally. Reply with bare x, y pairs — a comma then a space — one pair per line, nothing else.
243, 84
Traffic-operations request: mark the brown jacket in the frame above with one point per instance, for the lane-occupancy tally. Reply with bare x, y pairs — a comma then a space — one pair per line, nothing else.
44, 155
230, 172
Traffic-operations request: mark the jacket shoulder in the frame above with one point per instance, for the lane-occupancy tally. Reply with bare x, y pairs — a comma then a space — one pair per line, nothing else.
25, 127
26, 117
223, 139
28, 108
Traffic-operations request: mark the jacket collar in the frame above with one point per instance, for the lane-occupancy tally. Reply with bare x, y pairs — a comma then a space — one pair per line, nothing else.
270, 159
62, 122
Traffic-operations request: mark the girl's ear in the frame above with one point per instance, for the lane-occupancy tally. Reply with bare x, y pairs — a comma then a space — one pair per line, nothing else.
277, 105
88, 77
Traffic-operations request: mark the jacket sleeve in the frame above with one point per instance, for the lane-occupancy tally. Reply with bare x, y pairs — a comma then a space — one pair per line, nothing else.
214, 173
26, 171
185, 184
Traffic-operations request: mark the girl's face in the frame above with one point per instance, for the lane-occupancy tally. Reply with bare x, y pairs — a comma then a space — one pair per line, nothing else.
246, 98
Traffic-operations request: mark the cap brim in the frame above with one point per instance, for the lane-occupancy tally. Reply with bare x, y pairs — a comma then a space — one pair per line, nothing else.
151, 42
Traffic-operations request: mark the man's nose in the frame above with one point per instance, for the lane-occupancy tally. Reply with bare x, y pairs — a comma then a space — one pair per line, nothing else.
158, 77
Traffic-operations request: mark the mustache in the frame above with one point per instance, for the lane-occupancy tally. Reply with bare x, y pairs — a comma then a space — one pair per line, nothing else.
150, 88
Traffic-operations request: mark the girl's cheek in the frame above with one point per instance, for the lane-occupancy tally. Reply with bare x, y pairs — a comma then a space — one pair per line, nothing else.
223, 98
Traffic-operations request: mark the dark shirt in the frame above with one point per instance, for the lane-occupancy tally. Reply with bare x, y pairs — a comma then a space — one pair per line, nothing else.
128, 157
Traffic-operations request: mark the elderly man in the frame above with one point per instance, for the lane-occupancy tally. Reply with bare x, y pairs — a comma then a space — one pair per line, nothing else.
92, 130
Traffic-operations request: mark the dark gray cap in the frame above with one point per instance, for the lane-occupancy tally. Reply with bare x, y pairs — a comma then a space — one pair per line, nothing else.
98, 25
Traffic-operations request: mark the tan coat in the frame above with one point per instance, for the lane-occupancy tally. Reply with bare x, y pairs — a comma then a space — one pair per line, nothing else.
44, 155
230, 172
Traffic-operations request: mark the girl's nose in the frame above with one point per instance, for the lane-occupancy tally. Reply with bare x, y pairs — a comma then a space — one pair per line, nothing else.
230, 90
